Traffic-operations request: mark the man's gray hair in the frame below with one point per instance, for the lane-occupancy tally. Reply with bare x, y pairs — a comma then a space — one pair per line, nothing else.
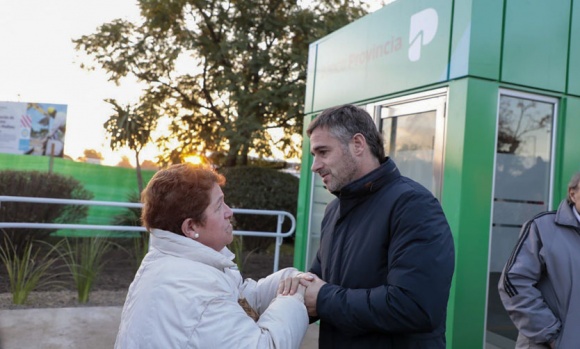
344, 121
573, 185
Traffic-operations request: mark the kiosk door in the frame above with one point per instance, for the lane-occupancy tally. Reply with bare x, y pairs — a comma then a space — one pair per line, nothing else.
413, 129
522, 181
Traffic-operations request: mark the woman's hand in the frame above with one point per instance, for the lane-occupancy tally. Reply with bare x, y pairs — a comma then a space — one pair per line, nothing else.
297, 283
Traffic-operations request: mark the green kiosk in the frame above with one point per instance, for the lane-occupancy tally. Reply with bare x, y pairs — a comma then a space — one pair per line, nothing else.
479, 101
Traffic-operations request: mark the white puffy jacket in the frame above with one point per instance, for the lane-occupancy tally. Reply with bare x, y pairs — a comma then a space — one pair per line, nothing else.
185, 295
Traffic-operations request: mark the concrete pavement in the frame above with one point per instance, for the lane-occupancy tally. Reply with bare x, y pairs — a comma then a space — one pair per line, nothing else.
72, 328
62, 328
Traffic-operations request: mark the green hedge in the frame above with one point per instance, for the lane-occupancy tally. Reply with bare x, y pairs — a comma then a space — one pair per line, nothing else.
246, 187
39, 184
106, 183
261, 189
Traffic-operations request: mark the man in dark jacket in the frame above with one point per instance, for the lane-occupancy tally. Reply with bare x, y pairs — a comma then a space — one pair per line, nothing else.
386, 256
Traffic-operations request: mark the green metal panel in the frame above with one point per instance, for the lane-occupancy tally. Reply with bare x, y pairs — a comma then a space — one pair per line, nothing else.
452, 178
466, 199
534, 55
567, 154
559, 183
573, 66
404, 45
535, 47
476, 39
304, 201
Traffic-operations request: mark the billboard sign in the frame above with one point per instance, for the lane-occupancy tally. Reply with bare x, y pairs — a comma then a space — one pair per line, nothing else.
32, 128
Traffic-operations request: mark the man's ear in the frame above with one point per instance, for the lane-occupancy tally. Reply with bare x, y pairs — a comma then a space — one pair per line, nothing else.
187, 228
573, 195
359, 144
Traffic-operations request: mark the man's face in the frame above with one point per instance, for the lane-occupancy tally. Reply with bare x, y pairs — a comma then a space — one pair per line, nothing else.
575, 197
333, 161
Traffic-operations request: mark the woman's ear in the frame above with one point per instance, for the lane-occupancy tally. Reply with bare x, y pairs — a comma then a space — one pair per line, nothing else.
187, 228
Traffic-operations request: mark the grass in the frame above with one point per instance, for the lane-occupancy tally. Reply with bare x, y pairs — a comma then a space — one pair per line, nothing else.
85, 261
140, 248
237, 247
27, 269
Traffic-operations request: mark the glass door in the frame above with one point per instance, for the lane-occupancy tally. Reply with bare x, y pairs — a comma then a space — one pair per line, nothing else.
521, 189
413, 129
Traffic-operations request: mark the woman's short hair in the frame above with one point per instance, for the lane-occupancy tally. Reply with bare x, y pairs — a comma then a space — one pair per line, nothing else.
177, 193
573, 185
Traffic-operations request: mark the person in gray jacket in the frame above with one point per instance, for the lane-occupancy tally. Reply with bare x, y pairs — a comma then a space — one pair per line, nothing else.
540, 284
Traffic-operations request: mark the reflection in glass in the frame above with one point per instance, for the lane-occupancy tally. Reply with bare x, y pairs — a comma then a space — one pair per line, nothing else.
410, 142
521, 190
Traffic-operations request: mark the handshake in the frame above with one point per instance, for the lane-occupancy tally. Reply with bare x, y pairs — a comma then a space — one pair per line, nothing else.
306, 286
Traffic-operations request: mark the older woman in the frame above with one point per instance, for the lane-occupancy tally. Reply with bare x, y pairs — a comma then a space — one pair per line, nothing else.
187, 290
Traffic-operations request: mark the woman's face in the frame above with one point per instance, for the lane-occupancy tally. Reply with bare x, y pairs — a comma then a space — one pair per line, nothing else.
217, 230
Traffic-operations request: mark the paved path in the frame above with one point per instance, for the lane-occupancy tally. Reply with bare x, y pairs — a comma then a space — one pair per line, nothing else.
72, 328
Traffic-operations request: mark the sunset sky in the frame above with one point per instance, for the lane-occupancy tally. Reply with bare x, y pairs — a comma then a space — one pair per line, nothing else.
39, 64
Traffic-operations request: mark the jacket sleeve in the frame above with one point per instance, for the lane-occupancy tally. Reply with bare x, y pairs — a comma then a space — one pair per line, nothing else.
224, 324
315, 267
331, 209
260, 294
517, 288
414, 294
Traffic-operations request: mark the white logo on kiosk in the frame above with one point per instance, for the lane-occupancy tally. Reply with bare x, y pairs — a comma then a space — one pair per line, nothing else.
422, 31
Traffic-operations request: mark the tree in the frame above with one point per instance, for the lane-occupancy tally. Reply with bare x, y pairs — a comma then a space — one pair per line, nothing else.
149, 165
125, 162
91, 154
518, 117
243, 68
131, 127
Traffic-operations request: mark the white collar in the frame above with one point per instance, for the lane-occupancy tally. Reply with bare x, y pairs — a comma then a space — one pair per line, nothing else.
184, 247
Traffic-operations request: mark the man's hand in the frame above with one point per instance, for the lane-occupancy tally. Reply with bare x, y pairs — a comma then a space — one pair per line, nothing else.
311, 294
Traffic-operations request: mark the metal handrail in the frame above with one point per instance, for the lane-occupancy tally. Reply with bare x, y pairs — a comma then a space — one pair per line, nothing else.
278, 234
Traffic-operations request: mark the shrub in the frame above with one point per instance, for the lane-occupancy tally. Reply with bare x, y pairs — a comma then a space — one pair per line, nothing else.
132, 217
39, 184
260, 189
140, 249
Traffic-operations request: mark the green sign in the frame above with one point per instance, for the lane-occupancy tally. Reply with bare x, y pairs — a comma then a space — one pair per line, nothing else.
404, 45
